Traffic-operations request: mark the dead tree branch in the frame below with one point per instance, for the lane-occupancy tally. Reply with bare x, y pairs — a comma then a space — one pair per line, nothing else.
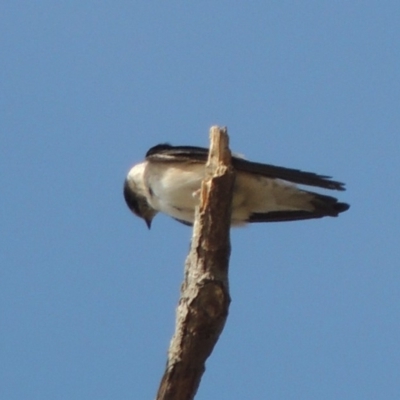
204, 303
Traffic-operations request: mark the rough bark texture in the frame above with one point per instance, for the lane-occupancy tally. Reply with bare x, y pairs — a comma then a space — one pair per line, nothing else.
203, 306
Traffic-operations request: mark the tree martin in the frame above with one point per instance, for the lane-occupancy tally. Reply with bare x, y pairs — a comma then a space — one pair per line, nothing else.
169, 181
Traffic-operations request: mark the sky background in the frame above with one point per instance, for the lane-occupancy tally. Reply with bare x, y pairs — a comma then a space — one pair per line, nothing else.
88, 294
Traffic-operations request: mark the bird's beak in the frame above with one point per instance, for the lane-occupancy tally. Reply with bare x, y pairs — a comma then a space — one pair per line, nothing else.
148, 222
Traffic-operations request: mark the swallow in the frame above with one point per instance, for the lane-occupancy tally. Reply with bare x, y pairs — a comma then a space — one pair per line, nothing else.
169, 181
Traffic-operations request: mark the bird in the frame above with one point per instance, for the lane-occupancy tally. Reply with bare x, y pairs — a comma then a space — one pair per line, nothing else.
169, 180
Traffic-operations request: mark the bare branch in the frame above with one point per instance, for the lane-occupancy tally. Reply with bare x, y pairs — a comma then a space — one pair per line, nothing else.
204, 303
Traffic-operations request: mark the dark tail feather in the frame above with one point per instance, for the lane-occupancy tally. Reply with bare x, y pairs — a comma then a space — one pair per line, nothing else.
324, 206
328, 205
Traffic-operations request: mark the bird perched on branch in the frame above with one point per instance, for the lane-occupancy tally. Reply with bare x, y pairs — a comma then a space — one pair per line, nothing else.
169, 180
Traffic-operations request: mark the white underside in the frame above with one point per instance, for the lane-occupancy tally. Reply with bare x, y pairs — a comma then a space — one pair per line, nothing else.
174, 191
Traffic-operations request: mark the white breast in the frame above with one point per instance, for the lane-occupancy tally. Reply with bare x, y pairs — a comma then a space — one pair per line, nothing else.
173, 189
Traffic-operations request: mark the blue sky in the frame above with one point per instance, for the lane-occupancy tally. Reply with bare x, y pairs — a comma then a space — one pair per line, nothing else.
88, 294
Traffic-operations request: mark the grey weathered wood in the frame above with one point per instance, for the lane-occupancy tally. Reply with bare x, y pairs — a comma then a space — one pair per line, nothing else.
204, 302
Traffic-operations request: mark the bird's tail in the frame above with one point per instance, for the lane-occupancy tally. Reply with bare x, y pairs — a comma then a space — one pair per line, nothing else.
314, 206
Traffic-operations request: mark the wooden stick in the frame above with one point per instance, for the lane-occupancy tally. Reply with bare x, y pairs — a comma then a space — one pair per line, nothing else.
204, 303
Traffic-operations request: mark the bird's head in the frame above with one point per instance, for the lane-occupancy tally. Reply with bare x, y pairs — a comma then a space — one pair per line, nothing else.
135, 195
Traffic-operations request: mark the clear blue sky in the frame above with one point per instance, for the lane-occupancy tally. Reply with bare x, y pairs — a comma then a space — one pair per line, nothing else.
88, 294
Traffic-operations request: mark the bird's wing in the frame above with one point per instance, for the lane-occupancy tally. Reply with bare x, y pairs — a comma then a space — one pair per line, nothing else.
323, 206
287, 174
282, 216
168, 153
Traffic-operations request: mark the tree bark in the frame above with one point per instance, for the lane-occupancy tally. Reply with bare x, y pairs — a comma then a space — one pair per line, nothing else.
204, 302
